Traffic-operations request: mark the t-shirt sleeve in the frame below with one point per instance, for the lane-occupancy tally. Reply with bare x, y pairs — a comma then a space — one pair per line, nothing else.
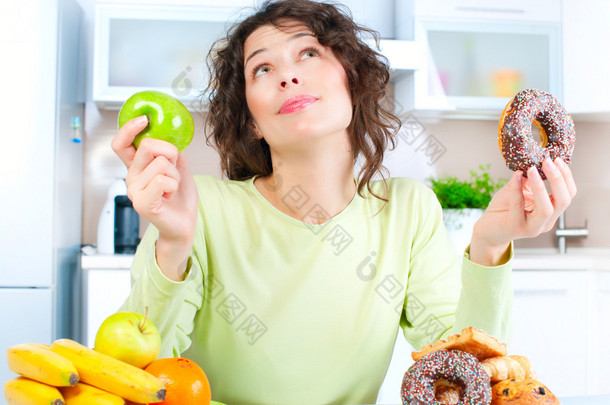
172, 305
486, 300
439, 300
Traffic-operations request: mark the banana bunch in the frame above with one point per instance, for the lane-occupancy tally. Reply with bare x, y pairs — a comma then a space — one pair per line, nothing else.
68, 373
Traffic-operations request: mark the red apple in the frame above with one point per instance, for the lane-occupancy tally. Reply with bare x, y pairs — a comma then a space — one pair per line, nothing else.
129, 337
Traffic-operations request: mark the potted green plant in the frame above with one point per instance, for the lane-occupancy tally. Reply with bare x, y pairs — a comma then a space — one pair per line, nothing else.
464, 201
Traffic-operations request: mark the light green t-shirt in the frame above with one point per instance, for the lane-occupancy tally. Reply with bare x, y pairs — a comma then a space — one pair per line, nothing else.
282, 311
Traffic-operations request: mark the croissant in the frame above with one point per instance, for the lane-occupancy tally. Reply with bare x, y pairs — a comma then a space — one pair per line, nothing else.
446, 392
507, 367
472, 340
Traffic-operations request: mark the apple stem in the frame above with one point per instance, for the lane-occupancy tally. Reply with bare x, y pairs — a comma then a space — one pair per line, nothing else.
144, 320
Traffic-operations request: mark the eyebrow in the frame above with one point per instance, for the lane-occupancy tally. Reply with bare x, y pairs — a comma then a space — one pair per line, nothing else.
295, 36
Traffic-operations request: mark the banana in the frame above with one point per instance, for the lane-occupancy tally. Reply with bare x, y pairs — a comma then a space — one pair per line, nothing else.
110, 374
83, 394
23, 391
37, 362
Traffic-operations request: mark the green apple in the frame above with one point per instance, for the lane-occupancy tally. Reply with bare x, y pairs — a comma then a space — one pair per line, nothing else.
216, 403
168, 118
129, 337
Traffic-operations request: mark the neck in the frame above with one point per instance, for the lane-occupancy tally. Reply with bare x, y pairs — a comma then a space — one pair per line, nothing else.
313, 186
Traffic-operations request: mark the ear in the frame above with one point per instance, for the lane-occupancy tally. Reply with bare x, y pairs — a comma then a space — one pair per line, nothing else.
257, 133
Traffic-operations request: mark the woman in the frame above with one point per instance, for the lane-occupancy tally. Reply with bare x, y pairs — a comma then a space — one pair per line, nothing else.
288, 282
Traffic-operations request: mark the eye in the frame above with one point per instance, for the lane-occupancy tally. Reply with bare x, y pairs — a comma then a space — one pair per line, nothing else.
260, 70
309, 53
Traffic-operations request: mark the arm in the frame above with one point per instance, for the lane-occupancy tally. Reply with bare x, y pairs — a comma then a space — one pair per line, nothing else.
436, 306
440, 299
162, 190
172, 305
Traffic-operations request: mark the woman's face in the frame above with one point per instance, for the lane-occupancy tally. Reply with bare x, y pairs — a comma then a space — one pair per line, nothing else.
296, 89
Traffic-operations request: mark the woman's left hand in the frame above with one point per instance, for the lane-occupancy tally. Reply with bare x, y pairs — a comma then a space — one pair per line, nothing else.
522, 209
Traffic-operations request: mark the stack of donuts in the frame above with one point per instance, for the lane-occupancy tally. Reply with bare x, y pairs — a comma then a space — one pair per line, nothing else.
472, 368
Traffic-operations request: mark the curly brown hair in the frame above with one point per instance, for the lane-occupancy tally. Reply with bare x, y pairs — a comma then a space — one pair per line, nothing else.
372, 129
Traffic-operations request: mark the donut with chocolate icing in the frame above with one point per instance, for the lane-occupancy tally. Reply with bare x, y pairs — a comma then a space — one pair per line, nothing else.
461, 368
555, 127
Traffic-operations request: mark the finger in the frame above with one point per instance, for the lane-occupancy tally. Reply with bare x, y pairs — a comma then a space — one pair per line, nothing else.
527, 189
149, 149
528, 195
160, 166
150, 200
122, 143
543, 207
559, 189
188, 185
567, 176
516, 205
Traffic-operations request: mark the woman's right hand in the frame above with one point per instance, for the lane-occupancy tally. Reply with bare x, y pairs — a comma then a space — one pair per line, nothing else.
162, 190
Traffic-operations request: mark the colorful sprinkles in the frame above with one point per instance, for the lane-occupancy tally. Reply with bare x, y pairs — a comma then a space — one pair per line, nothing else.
453, 365
519, 148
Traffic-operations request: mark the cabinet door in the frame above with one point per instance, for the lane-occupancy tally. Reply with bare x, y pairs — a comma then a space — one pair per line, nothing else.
479, 65
585, 65
551, 327
173, 40
26, 317
601, 324
105, 291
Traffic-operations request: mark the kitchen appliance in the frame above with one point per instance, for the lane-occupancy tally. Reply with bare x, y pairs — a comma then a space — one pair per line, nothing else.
118, 228
41, 209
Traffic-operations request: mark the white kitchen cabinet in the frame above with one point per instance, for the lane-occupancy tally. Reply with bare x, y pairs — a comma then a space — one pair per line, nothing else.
551, 327
106, 285
27, 316
478, 55
585, 59
163, 47
154, 47
600, 332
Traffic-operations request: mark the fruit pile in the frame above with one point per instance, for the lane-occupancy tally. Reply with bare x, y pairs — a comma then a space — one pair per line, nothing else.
122, 367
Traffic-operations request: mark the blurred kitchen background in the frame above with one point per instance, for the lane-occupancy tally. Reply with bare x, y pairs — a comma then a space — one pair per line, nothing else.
69, 64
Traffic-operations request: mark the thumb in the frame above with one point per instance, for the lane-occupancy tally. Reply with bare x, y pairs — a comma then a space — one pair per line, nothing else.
516, 205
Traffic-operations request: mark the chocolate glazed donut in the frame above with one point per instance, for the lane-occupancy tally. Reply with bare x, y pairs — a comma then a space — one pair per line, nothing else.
555, 126
461, 368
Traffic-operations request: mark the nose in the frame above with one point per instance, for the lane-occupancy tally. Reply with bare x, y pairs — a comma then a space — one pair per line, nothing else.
284, 83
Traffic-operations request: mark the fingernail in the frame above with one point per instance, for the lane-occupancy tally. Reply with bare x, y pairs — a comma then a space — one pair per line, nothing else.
531, 170
519, 176
560, 163
549, 164
141, 120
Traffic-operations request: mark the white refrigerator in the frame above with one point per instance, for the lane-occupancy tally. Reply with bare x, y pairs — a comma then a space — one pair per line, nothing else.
41, 106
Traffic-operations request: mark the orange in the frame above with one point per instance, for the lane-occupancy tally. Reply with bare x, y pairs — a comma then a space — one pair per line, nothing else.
185, 382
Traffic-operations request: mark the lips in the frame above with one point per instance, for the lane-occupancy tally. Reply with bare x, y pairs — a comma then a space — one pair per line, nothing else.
297, 103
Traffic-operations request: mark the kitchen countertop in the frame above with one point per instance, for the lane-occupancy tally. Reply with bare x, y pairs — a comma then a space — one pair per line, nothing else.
106, 262
574, 259
584, 400
525, 259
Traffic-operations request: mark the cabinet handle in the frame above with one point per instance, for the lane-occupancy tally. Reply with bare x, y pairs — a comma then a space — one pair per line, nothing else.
546, 291
491, 10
